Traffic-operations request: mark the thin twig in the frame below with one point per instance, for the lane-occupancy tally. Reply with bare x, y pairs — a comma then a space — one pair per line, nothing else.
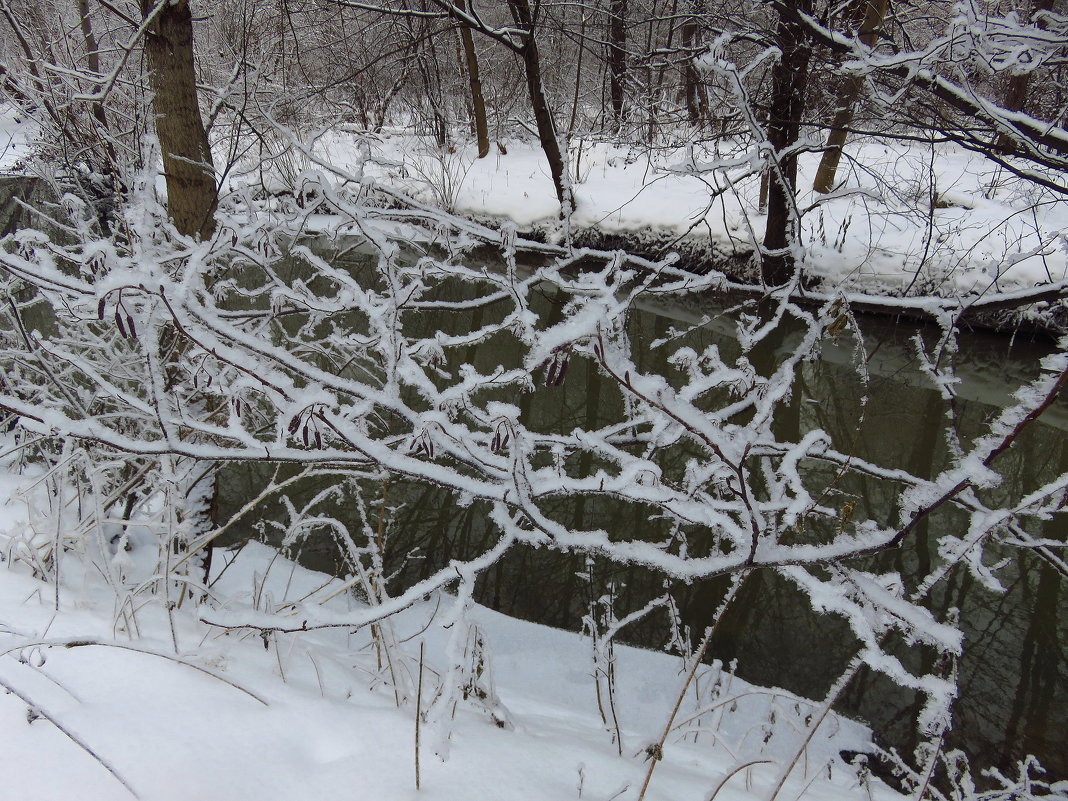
657, 751
40, 711
81, 643
418, 712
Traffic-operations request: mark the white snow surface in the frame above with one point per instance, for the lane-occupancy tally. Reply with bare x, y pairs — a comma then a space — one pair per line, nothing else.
206, 714
16, 138
906, 217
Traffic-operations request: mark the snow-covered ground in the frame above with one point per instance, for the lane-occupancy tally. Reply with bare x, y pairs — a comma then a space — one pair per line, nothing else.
107, 696
16, 138
907, 217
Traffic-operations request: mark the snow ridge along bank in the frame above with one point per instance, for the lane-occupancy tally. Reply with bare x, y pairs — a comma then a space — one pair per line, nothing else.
907, 221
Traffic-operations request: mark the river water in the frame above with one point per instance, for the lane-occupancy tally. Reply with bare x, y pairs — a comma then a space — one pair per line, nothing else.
1014, 675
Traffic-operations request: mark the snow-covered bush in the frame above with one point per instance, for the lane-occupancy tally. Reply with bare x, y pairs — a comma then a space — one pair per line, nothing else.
296, 337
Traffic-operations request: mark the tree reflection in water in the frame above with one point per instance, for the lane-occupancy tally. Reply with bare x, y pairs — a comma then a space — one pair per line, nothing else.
1014, 698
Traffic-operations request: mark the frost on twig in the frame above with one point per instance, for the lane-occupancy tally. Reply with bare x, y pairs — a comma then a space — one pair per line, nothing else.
270, 345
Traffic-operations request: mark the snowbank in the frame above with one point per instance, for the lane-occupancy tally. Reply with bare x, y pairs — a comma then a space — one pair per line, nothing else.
110, 695
907, 218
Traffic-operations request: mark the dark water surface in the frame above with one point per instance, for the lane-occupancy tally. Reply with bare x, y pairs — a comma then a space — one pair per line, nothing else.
1014, 675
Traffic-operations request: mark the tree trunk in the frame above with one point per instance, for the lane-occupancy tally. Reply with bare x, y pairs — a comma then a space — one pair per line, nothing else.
578, 82
1017, 91
187, 164
191, 189
92, 61
478, 102
874, 13
617, 56
690, 78
543, 116
789, 78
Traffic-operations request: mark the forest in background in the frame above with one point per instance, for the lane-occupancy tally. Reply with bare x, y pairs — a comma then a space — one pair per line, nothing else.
755, 83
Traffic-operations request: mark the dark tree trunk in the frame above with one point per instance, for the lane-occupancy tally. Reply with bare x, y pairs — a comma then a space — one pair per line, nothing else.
92, 61
874, 12
789, 79
478, 102
547, 134
187, 165
617, 56
690, 78
1018, 89
543, 116
188, 169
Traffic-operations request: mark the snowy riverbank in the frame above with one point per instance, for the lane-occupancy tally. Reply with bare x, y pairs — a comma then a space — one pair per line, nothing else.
907, 218
109, 696
978, 230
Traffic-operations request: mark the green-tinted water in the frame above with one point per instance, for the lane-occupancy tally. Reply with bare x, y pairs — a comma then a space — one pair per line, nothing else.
1014, 677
